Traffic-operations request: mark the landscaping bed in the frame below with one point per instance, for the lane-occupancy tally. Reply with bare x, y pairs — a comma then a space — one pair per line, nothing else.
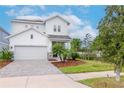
67, 63
4, 63
104, 82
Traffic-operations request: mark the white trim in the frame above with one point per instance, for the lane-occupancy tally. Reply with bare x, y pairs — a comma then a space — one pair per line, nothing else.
26, 21
30, 46
25, 31
52, 17
4, 43
61, 40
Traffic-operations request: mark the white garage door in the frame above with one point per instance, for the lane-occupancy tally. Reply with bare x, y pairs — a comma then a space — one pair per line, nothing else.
30, 53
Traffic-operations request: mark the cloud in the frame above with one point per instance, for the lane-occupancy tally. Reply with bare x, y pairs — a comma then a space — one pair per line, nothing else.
26, 10
69, 11
42, 7
11, 12
86, 6
81, 33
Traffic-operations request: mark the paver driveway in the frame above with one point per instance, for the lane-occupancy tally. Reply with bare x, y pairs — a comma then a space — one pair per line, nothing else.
28, 69
35, 75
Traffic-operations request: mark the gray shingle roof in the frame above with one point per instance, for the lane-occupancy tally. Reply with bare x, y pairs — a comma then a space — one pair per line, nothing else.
28, 20
59, 36
38, 19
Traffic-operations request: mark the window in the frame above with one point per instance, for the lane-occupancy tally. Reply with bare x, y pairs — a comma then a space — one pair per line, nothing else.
54, 28
31, 36
26, 26
11, 47
37, 27
59, 28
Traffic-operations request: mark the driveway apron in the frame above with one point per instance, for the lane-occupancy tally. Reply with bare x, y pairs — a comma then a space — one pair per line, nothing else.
28, 69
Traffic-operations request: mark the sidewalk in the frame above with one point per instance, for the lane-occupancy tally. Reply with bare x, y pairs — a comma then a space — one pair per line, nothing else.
81, 76
44, 81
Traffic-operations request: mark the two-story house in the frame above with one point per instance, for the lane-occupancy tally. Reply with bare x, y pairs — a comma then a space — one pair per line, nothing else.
4, 43
32, 38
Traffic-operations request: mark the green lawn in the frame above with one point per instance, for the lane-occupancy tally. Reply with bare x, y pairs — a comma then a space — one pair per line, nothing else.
89, 66
104, 82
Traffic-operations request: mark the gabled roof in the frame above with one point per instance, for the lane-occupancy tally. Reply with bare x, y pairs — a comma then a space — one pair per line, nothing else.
25, 31
36, 19
33, 18
52, 17
1, 29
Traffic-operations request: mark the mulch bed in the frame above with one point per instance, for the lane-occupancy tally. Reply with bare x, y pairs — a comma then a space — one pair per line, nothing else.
67, 63
4, 63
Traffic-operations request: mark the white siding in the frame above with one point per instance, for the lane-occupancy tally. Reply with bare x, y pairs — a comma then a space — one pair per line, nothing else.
24, 39
56, 21
19, 27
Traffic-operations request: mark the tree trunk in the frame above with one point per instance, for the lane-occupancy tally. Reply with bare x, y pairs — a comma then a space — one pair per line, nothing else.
60, 57
117, 72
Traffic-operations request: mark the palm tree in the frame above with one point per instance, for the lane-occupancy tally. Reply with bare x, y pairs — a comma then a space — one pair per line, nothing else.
75, 44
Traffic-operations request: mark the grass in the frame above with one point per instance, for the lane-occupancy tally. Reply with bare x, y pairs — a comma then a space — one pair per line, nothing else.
104, 82
89, 66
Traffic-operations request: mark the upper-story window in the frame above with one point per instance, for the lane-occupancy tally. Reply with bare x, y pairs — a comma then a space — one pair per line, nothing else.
59, 28
26, 26
54, 28
37, 27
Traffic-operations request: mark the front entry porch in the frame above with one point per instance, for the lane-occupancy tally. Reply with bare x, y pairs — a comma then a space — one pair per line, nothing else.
64, 40
66, 45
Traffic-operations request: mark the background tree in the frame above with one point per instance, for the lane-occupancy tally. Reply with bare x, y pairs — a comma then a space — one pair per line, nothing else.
75, 44
111, 37
87, 41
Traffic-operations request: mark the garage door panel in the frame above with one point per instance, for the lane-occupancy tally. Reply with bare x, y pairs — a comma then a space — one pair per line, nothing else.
30, 53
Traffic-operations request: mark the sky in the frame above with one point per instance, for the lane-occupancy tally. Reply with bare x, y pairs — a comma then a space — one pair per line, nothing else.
83, 19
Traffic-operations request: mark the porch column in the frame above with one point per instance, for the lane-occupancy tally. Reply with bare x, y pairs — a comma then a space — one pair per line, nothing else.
67, 45
50, 49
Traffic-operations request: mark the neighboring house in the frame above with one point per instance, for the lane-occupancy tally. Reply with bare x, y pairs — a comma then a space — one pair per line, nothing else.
32, 38
4, 43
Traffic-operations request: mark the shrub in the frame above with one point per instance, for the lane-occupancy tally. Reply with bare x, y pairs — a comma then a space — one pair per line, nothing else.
76, 44
5, 54
65, 54
58, 50
74, 55
88, 56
